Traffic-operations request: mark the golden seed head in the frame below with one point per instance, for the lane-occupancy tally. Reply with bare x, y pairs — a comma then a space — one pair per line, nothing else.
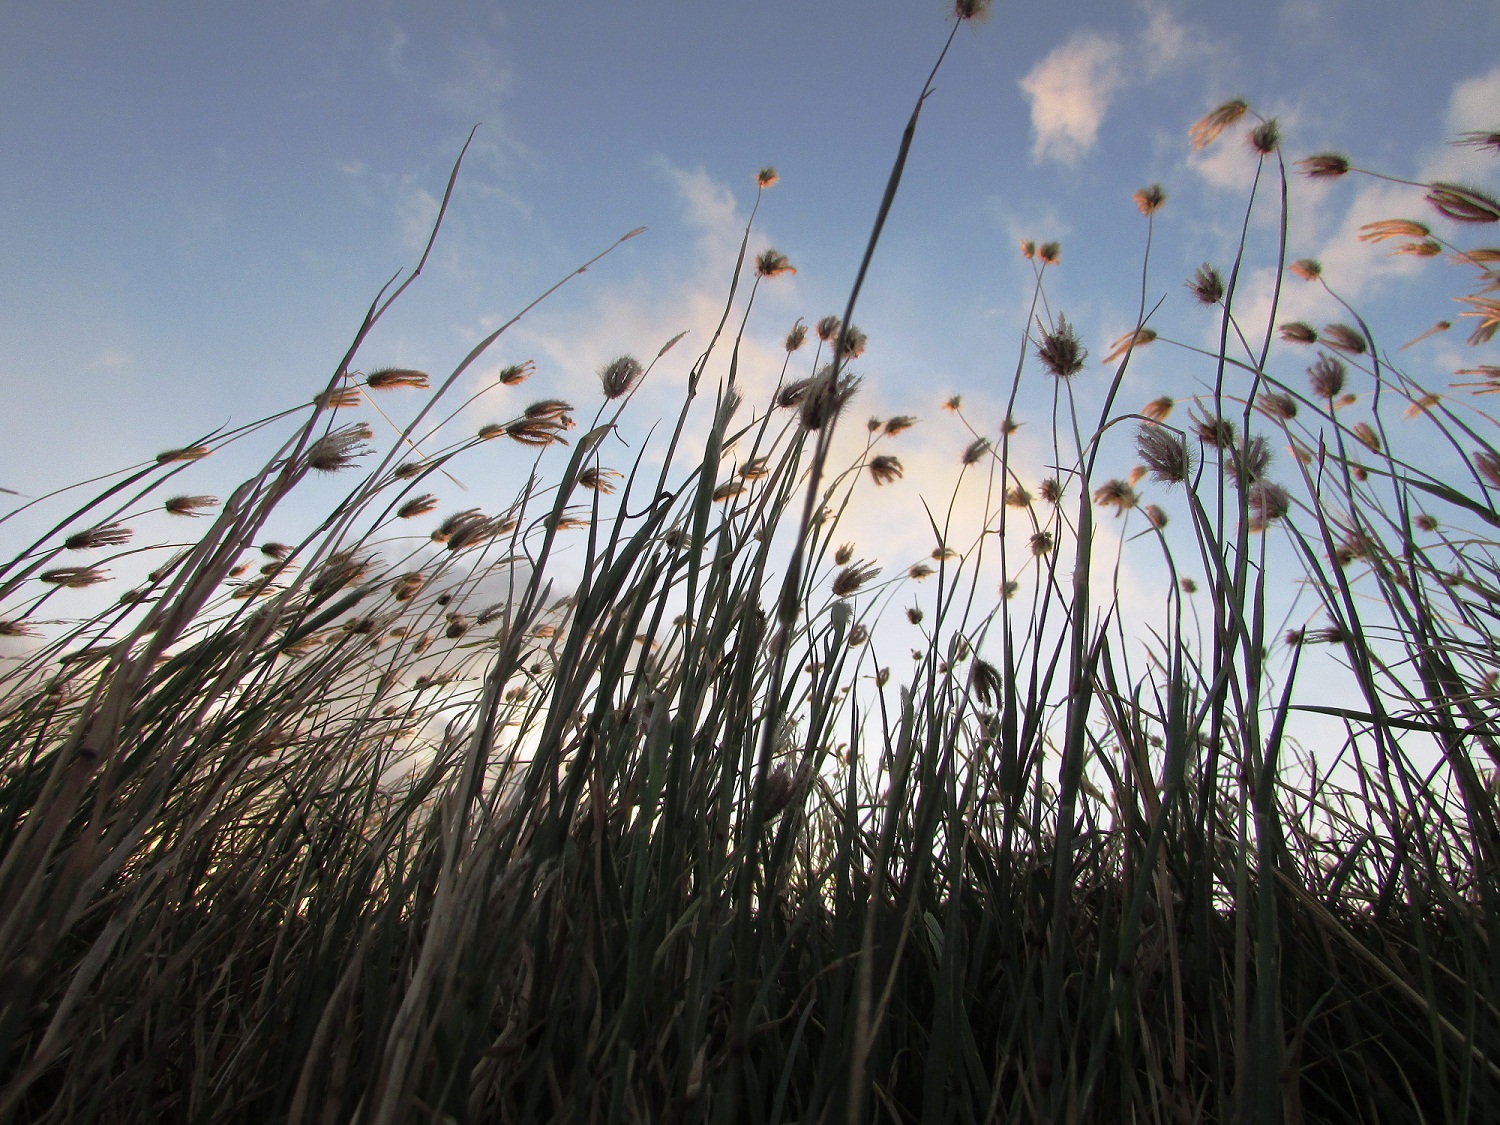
1156, 516
899, 424
773, 263
1365, 434
1158, 409
1137, 338
852, 342
1427, 248
1028, 248
1149, 199
189, 505
388, 377
339, 398
491, 430
1425, 522
417, 506
766, 177
1207, 129
1308, 269
516, 373
598, 480
954, 404
728, 489
1393, 228
1049, 253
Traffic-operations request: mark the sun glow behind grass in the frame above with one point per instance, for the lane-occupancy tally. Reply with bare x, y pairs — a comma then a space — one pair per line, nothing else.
621, 799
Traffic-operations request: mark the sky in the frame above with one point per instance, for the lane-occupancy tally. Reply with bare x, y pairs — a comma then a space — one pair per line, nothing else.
198, 202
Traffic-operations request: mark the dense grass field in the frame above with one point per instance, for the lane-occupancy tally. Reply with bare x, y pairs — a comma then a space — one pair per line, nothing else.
392, 823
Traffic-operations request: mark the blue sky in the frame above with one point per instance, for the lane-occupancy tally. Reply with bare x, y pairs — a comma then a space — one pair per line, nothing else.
198, 201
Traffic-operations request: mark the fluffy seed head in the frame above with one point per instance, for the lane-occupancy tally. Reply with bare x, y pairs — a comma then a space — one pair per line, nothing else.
1158, 409
1365, 434
975, 450
1017, 497
1296, 332
1486, 462
1028, 248
973, 10
417, 506
918, 571
516, 373
1265, 138
1343, 338
1327, 377
1060, 350
1115, 494
1149, 199
796, 337
388, 377
1282, 407
766, 177
1308, 269
853, 342
339, 448
1464, 204
1041, 543
844, 553
73, 577
1218, 432
1049, 253
884, 469
339, 398
848, 580
1206, 285
1051, 490
105, 535
828, 328
899, 424
1207, 129
1249, 460
408, 586
825, 398
1165, 454
1324, 165
1138, 338
1393, 228
16, 629
617, 377
1269, 502
189, 505
773, 263
1156, 516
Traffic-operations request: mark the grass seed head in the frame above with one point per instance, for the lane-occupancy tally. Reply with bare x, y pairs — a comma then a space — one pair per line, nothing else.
340, 398
884, 469
1206, 130
1269, 502
899, 424
1060, 350
1051, 490
1148, 200
795, 338
339, 449
186, 453
189, 505
975, 450
1165, 454
417, 506
1324, 165
828, 328
848, 580
1308, 269
516, 373
1296, 332
766, 177
1049, 253
1041, 543
1206, 286
105, 535
1326, 377
1158, 409
73, 577
1265, 138
618, 377
773, 263
1017, 497
389, 377
1116, 494
1464, 204
1343, 338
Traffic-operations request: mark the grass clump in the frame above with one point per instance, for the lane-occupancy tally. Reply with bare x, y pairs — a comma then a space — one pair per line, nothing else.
350, 830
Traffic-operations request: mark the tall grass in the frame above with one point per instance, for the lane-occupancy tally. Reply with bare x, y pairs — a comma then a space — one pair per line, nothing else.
376, 833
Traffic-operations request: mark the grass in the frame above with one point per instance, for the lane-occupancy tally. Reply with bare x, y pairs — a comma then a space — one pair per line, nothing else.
368, 832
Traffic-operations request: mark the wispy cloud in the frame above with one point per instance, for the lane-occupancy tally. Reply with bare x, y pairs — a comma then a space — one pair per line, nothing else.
1071, 89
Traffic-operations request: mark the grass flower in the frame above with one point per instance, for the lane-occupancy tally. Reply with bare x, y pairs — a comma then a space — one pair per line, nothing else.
795, 338
617, 377
975, 450
1393, 228
766, 177
1049, 253
388, 378
1158, 409
515, 373
1265, 138
1148, 200
1139, 338
1463, 204
1209, 127
1308, 269
899, 424
73, 577
417, 506
1324, 165
773, 263
1343, 338
189, 505
1165, 454
1274, 404
1040, 543
186, 453
1297, 332
105, 535
1326, 377
1060, 351
1206, 286
1017, 497
848, 581
884, 469
339, 448
1115, 494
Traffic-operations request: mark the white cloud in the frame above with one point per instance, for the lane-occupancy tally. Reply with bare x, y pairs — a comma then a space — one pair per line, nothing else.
1071, 89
